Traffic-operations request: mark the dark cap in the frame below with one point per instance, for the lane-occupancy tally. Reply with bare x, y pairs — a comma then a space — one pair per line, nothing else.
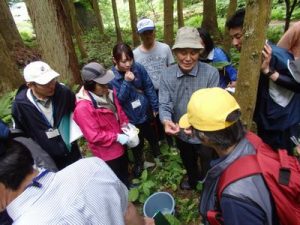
96, 72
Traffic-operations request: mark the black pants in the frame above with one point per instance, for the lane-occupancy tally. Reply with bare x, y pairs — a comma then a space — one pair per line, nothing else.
190, 154
280, 139
120, 168
146, 131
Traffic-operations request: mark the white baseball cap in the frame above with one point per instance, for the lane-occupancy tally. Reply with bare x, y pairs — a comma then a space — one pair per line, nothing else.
39, 72
144, 25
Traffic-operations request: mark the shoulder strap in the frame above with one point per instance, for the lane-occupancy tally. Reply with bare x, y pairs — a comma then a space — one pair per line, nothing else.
245, 166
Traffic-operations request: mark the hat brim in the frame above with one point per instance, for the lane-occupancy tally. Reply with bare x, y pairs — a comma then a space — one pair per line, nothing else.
145, 29
109, 75
188, 45
184, 121
46, 77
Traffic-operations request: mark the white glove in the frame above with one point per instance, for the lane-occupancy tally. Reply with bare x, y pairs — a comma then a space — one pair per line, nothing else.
122, 139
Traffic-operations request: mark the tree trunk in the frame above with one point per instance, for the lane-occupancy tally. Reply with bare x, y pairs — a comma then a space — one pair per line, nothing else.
133, 21
230, 11
49, 22
116, 18
180, 13
209, 21
9, 73
168, 22
76, 29
289, 8
255, 27
96, 8
8, 28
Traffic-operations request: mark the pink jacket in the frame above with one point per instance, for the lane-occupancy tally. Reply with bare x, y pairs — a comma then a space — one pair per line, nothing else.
100, 126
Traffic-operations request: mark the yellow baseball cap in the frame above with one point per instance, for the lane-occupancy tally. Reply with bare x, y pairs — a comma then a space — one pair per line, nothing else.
208, 109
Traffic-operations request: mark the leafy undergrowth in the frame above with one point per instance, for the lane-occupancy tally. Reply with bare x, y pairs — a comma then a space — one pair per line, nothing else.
166, 176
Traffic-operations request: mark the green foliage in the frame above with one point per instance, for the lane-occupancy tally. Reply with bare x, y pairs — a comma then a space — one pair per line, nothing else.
222, 6
5, 106
28, 39
172, 219
278, 12
187, 209
166, 176
274, 33
194, 21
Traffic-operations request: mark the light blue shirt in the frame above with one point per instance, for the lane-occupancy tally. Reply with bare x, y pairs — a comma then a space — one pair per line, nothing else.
86, 192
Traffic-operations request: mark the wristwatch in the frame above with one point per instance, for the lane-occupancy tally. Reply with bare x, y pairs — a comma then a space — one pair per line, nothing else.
270, 73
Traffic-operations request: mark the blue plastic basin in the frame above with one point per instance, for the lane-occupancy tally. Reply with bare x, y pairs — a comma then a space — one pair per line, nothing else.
159, 201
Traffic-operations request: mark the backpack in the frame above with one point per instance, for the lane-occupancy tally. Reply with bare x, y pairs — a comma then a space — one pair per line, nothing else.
281, 174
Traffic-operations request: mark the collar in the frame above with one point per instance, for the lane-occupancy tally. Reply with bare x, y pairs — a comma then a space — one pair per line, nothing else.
44, 102
193, 73
29, 196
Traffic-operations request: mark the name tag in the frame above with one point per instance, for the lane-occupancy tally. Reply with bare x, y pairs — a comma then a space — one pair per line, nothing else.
136, 103
51, 133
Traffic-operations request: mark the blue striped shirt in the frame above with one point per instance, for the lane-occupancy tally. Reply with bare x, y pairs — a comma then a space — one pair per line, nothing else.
86, 192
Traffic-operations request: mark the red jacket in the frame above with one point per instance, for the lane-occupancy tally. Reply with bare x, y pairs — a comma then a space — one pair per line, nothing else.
100, 126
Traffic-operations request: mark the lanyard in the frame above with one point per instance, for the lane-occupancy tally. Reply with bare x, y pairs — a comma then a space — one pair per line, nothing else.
35, 180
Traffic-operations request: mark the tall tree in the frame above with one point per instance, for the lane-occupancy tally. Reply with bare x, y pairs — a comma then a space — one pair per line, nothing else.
180, 13
76, 28
133, 21
168, 21
289, 8
96, 8
209, 21
49, 22
254, 29
8, 28
9, 73
230, 11
116, 19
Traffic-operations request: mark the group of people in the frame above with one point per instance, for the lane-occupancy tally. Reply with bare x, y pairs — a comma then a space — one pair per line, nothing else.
185, 101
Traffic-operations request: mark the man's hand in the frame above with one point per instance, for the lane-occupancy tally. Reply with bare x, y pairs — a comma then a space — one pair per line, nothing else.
129, 76
171, 128
267, 55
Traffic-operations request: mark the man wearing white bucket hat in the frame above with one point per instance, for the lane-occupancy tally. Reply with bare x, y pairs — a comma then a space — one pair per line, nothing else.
177, 84
42, 108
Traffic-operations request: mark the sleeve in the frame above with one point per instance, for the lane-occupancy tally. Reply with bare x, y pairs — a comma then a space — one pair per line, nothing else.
17, 116
236, 212
165, 101
288, 83
91, 129
122, 88
149, 88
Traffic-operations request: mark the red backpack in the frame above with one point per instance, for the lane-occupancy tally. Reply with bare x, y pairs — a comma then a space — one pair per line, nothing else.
281, 173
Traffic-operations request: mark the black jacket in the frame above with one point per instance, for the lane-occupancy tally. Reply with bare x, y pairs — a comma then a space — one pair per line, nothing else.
29, 119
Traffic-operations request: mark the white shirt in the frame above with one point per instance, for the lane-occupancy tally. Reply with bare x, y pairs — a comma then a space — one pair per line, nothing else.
86, 192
